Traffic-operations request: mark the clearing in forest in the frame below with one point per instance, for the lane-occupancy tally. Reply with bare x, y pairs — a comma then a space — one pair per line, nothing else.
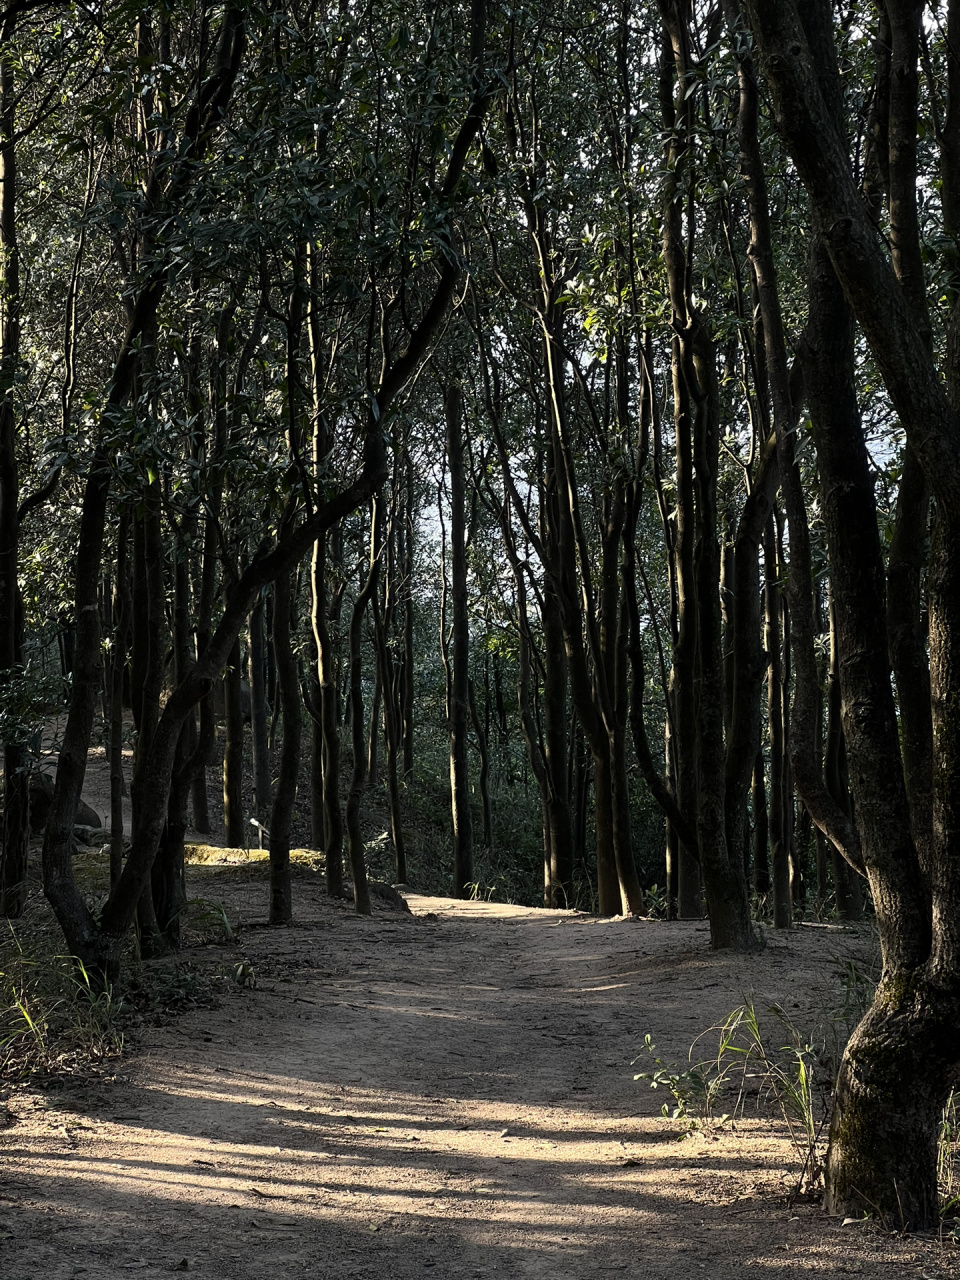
448, 1092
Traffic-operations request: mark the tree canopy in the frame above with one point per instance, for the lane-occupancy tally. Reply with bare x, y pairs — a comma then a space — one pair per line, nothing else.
562, 400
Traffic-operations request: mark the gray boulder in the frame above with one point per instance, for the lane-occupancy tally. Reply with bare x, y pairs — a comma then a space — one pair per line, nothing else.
41, 798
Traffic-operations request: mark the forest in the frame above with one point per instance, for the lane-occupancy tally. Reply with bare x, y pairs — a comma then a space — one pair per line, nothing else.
532, 430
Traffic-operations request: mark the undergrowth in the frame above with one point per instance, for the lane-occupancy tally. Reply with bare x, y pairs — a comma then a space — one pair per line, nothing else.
748, 1067
763, 1060
53, 1020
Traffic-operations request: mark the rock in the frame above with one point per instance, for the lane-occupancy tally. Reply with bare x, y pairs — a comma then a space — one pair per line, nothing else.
41, 798
386, 894
87, 834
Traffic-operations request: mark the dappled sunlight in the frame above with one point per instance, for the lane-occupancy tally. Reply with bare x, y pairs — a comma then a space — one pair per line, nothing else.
421, 1094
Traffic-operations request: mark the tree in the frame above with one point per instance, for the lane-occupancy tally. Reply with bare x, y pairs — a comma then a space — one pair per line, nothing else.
904, 1058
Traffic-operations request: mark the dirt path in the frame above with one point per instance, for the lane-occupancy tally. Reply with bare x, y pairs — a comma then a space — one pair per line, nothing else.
446, 1094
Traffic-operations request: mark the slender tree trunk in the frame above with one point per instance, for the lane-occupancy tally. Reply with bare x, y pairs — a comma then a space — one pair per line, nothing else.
281, 815
373, 731
355, 844
458, 701
558, 877
773, 643
845, 880
118, 662
317, 833
258, 711
483, 779
151, 637
405, 535
15, 831
676, 110
392, 736
761, 827
234, 829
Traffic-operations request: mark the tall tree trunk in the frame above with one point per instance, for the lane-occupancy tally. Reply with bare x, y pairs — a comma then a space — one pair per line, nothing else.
405, 552
258, 711
118, 660
458, 694
773, 643
233, 753
392, 734
15, 832
903, 1059
149, 642
328, 680
355, 845
281, 815
560, 844
846, 881
761, 828
676, 111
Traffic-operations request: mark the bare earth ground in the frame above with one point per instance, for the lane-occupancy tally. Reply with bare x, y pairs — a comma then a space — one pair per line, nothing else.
446, 1093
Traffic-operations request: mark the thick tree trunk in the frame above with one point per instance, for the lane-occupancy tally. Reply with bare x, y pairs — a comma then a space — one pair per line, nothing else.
904, 1057
898, 1072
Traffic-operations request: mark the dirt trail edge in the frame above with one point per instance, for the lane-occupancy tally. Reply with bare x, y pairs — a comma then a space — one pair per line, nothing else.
449, 1094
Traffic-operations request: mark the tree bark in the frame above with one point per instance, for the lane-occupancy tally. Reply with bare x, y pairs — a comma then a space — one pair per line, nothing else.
902, 1060
281, 815
355, 845
258, 711
458, 692
15, 830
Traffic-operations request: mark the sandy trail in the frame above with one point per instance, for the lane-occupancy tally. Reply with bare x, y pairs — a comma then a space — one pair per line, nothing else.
446, 1094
